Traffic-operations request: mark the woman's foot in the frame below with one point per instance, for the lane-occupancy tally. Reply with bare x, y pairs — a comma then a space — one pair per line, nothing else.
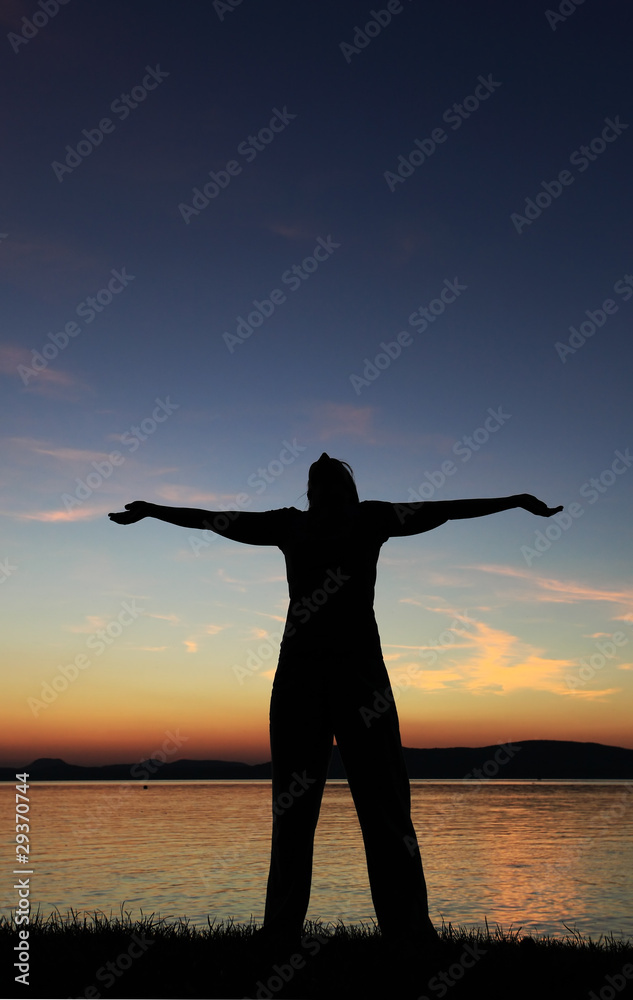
278, 940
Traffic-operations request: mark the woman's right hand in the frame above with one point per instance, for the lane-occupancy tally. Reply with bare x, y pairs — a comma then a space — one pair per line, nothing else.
534, 506
133, 512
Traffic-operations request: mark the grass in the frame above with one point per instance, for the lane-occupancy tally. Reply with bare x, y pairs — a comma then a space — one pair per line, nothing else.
92, 955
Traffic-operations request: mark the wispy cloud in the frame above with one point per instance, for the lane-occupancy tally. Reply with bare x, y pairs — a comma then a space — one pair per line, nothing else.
190, 496
174, 619
91, 624
263, 614
331, 420
550, 590
51, 382
487, 660
47, 267
83, 513
62, 454
197, 638
589, 694
258, 633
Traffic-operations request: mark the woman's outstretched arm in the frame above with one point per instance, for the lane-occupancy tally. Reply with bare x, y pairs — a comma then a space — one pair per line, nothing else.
413, 518
253, 527
185, 517
457, 509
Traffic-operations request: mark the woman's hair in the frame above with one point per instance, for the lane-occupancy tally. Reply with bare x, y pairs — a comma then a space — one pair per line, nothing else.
331, 475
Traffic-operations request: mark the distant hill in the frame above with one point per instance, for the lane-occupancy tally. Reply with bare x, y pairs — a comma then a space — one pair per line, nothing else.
533, 759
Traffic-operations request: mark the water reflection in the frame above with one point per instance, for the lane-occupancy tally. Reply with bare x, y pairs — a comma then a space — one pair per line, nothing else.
532, 855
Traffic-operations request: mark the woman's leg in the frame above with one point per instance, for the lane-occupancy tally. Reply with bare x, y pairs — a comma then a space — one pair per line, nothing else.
368, 735
301, 745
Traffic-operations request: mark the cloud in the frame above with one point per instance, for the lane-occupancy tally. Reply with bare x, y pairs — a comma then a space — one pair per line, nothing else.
71, 455
240, 585
76, 514
196, 638
91, 624
549, 590
49, 268
574, 593
190, 496
50, 382
263, 614
588, 694
486, 660
332, 420
12, 355
258, 633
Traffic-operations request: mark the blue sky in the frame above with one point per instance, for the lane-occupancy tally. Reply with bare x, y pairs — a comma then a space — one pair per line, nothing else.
353, 177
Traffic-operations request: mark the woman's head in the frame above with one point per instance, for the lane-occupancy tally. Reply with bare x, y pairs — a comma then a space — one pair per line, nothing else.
331, 481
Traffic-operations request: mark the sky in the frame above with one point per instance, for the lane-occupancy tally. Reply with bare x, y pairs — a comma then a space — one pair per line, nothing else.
237, 235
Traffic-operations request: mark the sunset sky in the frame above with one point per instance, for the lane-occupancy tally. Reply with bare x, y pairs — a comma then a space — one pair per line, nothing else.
235, 235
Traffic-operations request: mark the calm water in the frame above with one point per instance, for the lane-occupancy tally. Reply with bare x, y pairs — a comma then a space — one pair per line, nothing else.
533, 855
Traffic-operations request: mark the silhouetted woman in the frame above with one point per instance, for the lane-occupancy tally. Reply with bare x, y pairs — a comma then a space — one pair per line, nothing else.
329, 677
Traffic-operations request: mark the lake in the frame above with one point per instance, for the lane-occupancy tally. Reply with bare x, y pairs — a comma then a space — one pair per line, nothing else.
536, 855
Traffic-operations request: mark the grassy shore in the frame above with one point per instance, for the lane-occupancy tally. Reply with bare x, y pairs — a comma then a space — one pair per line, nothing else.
97, 956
